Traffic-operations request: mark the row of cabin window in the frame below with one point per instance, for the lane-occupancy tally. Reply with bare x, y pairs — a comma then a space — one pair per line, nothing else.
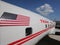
29, 30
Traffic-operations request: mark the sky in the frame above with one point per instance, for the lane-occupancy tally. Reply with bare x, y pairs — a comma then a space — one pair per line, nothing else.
47, 8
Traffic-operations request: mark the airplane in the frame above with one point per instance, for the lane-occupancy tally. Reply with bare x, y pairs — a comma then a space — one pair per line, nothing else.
19, 26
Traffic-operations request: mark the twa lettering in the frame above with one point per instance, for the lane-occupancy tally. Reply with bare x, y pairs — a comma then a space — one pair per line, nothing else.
43, 21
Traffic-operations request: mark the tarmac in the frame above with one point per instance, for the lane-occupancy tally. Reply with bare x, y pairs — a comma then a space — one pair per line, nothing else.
48, 41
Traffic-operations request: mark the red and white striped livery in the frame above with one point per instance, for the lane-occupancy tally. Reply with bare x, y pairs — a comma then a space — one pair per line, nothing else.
19, 26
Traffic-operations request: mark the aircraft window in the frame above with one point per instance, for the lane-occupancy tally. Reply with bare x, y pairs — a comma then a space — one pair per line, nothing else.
7, 15
46, 26
28, 31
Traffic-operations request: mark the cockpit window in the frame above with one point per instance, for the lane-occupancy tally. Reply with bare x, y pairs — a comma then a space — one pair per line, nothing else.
7, 15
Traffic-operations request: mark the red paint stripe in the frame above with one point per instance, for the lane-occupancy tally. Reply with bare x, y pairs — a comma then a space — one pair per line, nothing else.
23, 40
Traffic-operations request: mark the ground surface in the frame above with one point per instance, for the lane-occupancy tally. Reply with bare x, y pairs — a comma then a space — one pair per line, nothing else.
48, 41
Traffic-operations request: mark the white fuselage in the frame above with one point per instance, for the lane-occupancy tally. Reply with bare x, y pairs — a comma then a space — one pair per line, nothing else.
10, 35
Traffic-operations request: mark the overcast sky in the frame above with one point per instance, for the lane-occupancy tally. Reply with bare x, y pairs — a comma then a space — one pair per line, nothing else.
47, 8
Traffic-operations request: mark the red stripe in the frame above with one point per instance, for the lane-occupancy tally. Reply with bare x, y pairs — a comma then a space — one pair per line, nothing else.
23, 40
